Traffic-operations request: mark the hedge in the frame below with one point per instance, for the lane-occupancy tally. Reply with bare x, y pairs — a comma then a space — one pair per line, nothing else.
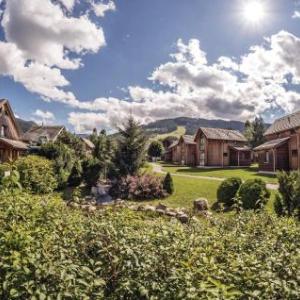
50, 251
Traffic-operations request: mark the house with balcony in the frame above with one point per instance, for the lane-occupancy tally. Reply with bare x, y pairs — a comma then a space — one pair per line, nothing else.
217, 147
11, 146
281, 151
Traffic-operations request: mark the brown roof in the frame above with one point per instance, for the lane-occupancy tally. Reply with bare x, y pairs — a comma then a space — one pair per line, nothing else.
14, 144
272, 144
5, 101
188, 139
223, 134
285, 123
88, 142
245, 148
35, 133
175, 143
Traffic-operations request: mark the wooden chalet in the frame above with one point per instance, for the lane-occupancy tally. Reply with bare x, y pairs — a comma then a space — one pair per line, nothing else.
39, 135
11, 147
182, 151
281, 151
216, 147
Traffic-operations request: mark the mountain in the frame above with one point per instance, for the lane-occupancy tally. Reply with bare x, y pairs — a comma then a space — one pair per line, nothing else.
25, 125
190, 124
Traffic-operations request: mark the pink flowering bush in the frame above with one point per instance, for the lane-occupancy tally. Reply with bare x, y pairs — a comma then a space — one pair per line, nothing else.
143, 187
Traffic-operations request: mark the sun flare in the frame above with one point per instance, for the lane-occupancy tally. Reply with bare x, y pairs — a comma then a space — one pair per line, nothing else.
254, 12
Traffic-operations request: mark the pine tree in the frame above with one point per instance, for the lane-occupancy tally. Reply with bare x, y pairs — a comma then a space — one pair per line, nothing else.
130, 153
168, 184
254, 131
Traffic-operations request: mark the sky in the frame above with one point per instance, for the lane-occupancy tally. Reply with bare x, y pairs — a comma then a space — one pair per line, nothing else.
92, 63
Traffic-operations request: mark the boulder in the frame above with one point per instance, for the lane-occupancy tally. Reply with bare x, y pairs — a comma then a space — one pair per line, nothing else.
149, 208
91, 209
161, 206
201, 204
183, 218
160, 211
171, 213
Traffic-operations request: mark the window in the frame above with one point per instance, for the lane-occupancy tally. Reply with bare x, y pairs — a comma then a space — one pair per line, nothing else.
202, 143
295, 153
267, 157
2, 131
247, 155
225, 154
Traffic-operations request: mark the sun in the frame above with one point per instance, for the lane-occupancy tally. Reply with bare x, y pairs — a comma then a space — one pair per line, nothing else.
254, 12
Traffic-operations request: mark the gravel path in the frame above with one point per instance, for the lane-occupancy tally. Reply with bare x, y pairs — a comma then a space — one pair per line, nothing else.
158, 169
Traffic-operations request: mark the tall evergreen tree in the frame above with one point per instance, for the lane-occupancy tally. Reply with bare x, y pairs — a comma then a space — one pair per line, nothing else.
254, 131
131, 146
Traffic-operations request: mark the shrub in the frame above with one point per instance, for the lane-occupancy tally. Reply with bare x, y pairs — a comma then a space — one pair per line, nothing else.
287, 202
253, 194
227, 190
155, 149
49, 251
91, 171
143, 187
168, 184
75, 177
36, 174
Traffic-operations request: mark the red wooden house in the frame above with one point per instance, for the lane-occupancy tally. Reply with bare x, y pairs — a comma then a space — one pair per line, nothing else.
282, 148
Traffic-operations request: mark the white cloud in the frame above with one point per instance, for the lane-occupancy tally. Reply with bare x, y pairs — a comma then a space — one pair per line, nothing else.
296, 14
230, 88
101, 8
68, 4
39, 41
47, 115
44, 117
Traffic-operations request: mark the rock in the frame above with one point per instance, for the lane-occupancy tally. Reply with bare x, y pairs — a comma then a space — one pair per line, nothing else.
171, 213
141, 208
84, 207
160, 211
206, 214
73, 204
201, 204
161, 206
183, 218
149, 208
91, 209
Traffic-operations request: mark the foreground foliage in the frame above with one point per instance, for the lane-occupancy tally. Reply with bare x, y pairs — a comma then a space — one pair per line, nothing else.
48, 250
37, 174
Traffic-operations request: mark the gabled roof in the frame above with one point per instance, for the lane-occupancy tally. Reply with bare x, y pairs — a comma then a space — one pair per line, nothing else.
6, 102
175, 143
241, 149
223, 134
291, 121
14, 144
272, 144
88, 142
35, 133
188, 139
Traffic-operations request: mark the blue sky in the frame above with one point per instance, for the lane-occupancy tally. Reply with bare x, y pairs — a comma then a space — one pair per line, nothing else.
139, 37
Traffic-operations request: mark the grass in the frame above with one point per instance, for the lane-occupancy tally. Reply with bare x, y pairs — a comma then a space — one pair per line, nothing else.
243, 173
188, 189
178, 133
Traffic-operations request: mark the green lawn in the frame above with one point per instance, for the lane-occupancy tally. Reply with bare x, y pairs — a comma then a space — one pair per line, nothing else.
243, 173
188, 189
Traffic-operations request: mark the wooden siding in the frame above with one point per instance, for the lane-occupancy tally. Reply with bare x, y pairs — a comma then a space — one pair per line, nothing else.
288, 157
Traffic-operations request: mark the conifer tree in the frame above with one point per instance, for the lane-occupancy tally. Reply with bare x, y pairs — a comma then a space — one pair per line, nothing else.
168, 184
130, 153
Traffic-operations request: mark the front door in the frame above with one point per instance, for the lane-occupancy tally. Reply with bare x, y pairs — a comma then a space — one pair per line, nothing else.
202, 159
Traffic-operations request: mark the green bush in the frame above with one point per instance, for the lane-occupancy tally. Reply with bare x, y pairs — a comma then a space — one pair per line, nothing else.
254, 194
75, 177
287, 202
92, 171
36, 174
228, 190
49, 251
168, 184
